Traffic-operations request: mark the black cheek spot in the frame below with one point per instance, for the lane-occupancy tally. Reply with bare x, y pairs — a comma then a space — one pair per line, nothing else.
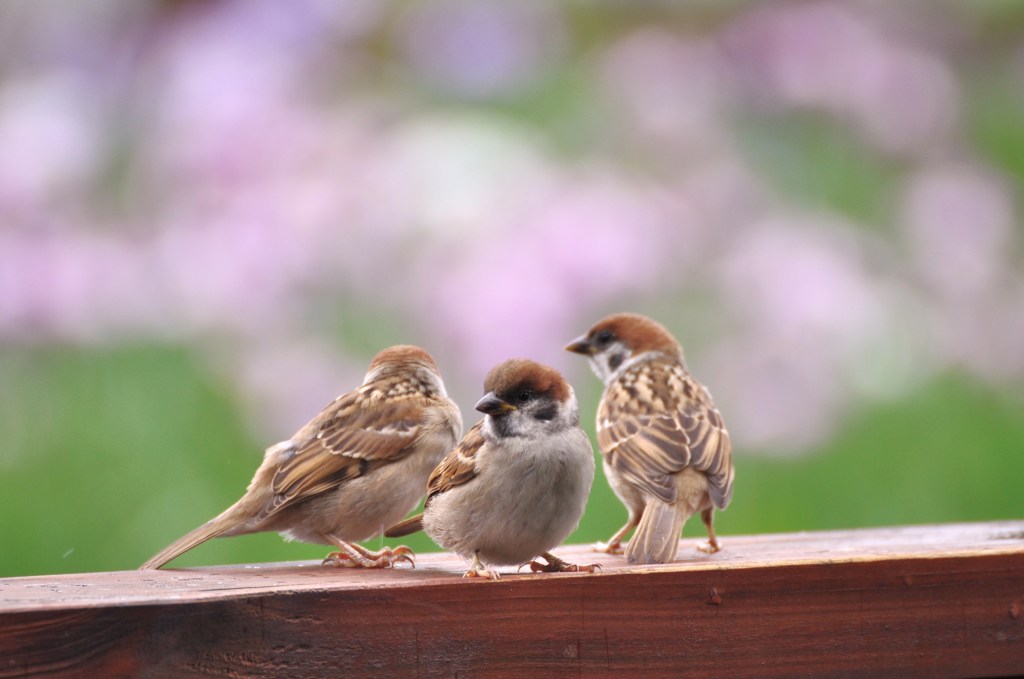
547, 413
616, 360
502, 428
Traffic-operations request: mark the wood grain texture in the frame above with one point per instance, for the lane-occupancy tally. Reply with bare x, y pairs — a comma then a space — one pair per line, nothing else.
930, 601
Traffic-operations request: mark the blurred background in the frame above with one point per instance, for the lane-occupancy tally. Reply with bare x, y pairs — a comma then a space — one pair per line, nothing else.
213, 213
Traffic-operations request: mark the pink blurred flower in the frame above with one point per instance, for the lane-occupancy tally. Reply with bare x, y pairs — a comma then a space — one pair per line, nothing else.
481, 48
776, 397
958, 223
669, 89
284, 379
50, 141
513, 292
801, 279
832, 56
73, 286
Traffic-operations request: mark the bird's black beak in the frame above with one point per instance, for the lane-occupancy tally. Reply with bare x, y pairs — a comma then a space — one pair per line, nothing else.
490, 404
580, 345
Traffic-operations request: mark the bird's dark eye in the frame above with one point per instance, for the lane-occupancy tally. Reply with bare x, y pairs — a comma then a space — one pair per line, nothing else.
604, 338
524, 395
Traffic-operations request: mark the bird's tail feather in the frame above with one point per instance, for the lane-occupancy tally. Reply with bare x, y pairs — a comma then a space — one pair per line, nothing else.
211, 529
656, 539
411, 525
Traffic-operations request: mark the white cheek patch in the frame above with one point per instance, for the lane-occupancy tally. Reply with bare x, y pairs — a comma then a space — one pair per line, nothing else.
609, 361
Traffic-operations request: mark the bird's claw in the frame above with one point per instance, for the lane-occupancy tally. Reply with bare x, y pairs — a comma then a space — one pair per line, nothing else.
482, 573
614, 547
709, 547
401, 553
361, 558
559, 566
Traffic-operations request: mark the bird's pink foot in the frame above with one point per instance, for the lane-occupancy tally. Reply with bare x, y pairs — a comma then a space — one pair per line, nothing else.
556, 565
354, 556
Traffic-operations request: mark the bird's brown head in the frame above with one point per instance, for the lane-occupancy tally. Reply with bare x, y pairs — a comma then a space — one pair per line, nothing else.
520, 393
400, 358
616, 338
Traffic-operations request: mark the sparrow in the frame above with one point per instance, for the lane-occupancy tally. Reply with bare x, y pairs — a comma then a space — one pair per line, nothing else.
355, 468
517, 484
665, 449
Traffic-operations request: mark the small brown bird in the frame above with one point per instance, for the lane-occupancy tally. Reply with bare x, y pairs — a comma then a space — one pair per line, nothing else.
357, 467
517, 484
666, 450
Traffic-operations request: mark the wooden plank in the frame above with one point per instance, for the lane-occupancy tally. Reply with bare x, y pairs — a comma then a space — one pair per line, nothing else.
928, 601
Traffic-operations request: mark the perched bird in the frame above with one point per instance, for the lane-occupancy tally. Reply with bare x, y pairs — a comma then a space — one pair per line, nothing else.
517, 484
666, 450
356, 468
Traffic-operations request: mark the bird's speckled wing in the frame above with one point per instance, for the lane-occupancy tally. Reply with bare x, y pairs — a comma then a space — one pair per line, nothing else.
459, 466
353, 435
654, 421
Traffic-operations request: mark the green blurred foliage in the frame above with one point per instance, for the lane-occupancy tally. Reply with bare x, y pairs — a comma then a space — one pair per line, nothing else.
997, 123
811, 158
111, 454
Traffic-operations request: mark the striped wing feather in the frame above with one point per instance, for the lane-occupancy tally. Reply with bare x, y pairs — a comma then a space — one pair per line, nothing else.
655, 421
459, 466
352, 436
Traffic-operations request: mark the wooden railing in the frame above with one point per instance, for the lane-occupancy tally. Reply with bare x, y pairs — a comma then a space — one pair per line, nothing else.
929, 601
